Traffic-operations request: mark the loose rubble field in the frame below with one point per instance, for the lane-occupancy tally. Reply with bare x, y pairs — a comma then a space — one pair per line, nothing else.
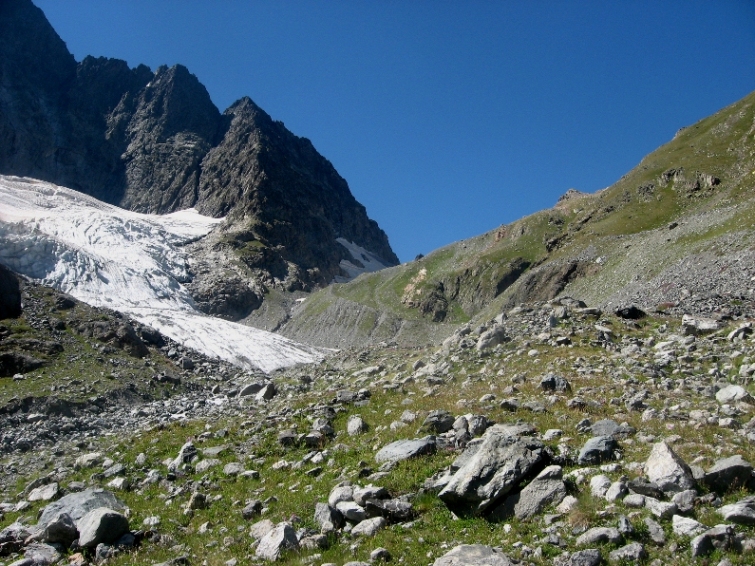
554, 434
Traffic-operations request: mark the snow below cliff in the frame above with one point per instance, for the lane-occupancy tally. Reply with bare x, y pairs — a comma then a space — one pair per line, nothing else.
129, 262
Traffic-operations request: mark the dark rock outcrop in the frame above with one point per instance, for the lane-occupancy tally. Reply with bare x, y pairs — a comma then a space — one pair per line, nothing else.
10, 294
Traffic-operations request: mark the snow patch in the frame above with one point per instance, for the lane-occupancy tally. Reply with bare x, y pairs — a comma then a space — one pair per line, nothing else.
366, 262
129, 262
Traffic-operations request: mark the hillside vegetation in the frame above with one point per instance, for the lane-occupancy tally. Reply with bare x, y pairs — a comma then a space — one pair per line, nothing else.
692, 199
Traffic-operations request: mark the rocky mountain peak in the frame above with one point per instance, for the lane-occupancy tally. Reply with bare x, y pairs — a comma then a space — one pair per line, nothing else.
156, 143
31, 51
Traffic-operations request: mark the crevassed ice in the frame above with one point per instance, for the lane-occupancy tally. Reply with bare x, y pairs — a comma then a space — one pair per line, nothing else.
129, 262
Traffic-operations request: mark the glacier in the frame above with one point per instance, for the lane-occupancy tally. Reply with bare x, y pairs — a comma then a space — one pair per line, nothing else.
129, 262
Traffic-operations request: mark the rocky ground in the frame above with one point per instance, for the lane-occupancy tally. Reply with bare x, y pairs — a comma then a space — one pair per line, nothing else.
553, 434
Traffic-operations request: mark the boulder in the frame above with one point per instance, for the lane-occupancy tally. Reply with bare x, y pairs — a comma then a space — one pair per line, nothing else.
101, 525
340, 493
438, 422
553, 382
44, 493
392, 510
721, 537
261, 528
497, 468
60, 529
729, 474
42, 554
363, 494
491, 338
686, 527
405, 449
694, 325
274, 543
76, 505
632, 552
328, 518
186, 455
597, 450
267, 392
369, 527
741, 512
587, 557
546, 489
733, 394
356, 425
474, 555
351, 511
667, 470
599, 535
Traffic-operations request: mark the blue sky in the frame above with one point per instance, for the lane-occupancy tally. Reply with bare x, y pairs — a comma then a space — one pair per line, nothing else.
448, 118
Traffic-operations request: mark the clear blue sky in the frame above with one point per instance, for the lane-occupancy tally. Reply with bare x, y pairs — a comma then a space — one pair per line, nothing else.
448, 118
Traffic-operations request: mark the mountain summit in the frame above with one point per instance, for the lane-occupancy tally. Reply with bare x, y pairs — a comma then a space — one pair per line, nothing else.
154, 142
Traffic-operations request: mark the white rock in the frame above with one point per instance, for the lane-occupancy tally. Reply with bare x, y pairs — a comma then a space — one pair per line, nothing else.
686, 527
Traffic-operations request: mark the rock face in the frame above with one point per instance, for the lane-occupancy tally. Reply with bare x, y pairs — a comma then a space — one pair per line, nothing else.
155, 142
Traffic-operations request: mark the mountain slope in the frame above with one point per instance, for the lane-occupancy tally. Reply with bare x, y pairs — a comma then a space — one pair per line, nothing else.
676, 231
154, 142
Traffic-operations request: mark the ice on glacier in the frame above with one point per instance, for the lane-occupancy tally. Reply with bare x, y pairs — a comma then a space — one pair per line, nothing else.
129, 262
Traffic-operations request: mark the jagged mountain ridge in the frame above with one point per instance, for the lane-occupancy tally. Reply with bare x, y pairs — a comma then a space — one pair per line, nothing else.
154, 142
676, 233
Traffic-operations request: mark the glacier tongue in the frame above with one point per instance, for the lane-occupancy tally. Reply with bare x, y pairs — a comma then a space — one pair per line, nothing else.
129, 262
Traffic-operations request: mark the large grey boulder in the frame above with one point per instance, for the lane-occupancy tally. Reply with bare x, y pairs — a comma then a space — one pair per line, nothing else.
76, 505
44, 492
328, 518
587, 557
496, 469
473, 555
553, 382
369, 527
491, 338
729, 474
667, 470
186, 455
42, 554
438, 422
741, 512
278, 540
597, 450
392, 510
686, 527
721, 537
733, 394
405, 449
60, 529
633, 552
101, 525
546, 489
598, 535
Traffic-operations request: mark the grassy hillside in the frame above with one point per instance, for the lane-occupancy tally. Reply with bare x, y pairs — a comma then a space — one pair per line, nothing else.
683, 199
